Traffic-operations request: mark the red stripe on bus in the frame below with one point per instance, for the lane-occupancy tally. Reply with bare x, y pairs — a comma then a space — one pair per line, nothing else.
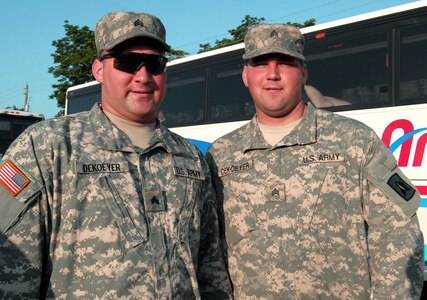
422, 189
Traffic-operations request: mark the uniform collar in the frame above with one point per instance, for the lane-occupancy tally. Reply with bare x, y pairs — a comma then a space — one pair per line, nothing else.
109, 137
304, 133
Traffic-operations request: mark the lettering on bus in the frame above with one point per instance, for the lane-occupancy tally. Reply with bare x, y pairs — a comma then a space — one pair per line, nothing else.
406, 141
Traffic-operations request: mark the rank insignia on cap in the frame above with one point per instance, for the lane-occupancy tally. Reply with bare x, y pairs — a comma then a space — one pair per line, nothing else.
12, 178
138, 23
274, 33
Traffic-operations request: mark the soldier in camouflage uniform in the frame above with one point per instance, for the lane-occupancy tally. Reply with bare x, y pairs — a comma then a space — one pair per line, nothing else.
314, 204
94, 207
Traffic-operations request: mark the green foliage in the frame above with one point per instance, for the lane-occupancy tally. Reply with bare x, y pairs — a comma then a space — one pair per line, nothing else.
175, 54
72, 60
14, 108
308, 23
238, 34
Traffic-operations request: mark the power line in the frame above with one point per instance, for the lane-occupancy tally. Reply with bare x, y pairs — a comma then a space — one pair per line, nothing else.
305, 10
349, 9
16, 90
287, 17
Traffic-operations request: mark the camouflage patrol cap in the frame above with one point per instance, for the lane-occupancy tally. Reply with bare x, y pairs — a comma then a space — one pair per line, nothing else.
117, 27
274, 38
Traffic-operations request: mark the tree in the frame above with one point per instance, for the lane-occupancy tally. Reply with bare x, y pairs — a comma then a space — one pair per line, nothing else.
175, 54
238, 34
309, 22
72, 60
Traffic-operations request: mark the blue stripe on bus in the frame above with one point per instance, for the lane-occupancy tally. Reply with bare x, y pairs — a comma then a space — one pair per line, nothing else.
203, 146
423, 202
404, 138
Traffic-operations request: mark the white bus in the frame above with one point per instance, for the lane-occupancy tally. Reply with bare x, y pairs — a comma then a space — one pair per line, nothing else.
13, 123
376, 62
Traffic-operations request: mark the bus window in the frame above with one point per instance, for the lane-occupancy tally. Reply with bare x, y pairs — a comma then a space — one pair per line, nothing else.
184, 102
5, 136
5, 126
413, 54
18, 128
12, 124
229, 99
83, 99
351, 66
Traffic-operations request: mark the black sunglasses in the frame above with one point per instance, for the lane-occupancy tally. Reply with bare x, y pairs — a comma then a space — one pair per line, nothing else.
131, 62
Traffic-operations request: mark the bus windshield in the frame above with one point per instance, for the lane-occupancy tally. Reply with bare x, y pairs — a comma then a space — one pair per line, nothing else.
12, 124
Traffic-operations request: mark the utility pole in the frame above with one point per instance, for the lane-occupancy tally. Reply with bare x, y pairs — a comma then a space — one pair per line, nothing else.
26, 106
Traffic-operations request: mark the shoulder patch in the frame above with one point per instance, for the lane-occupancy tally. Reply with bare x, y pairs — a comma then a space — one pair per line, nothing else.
12, 178
401, 187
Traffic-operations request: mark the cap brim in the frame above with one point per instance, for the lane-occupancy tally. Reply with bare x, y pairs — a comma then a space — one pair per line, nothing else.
253, 54
119, 41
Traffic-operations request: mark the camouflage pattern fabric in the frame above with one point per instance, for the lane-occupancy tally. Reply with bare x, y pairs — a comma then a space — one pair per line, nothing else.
117, 27
102, 219
324, 214
274, 38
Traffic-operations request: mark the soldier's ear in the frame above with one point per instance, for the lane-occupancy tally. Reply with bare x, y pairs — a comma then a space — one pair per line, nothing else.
97, 70
245, 75
304, 73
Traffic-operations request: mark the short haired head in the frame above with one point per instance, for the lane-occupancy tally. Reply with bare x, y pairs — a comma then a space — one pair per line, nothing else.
274, 38
118, 27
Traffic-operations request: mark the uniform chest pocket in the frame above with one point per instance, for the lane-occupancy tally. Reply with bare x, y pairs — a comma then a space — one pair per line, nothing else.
133, 229
240, 191
316, 194
185, 195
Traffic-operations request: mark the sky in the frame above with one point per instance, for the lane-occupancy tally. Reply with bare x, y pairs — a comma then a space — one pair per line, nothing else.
28, 28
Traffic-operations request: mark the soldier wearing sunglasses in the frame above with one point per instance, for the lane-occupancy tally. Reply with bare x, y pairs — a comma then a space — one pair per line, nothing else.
109, 203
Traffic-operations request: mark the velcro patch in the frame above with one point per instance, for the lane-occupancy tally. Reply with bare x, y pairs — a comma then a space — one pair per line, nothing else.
12, 178
401, 187
191, 173
101, 167
236, 168
154, 200
322, 158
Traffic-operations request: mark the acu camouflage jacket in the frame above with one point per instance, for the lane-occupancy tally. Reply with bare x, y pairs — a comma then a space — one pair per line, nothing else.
93, 217
324, 214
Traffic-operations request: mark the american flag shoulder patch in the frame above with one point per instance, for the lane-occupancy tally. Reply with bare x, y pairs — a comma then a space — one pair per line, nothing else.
12, 178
